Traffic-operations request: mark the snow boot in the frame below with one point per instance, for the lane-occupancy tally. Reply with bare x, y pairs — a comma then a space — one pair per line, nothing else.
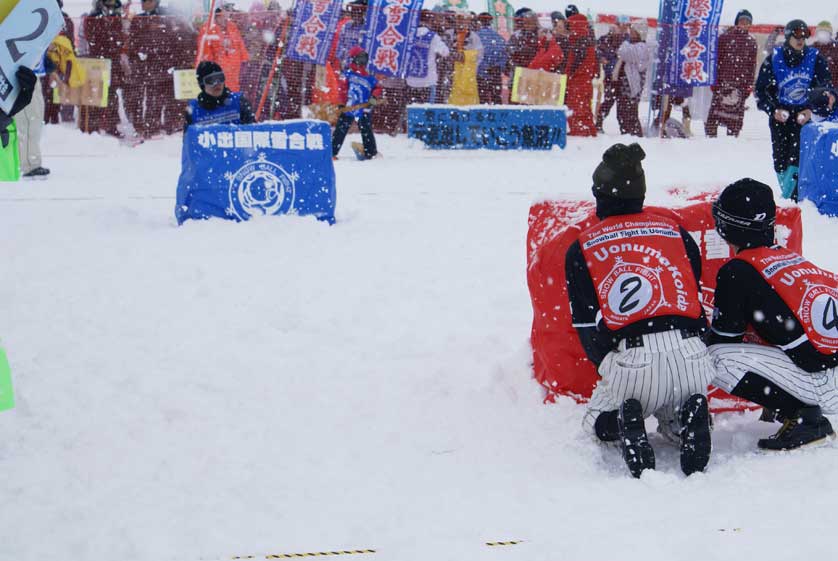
695, 434
37, 173
809, 427
637, 452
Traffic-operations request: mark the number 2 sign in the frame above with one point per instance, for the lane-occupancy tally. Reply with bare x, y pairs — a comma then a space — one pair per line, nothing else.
25, 35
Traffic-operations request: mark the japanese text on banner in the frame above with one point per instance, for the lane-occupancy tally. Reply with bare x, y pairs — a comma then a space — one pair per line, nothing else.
695, 43
391, 30
313, 29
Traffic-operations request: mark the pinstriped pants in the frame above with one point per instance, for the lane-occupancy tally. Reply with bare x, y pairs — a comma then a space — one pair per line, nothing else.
733, 361
661, 375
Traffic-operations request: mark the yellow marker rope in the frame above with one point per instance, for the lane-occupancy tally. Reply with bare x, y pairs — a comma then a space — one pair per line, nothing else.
310, 554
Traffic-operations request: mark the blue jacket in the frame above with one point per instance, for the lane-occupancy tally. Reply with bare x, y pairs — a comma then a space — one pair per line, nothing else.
360, 88
232, 108
495, 54
767, 90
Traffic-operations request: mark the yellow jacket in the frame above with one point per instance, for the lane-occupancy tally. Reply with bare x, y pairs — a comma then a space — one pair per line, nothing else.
61, 53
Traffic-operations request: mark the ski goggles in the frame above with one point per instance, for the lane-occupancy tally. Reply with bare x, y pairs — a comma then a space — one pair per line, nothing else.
759, 223
800, 33
361, 59
214, 79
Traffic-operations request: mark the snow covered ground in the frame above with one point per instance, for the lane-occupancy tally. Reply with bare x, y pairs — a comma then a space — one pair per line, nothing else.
284, 386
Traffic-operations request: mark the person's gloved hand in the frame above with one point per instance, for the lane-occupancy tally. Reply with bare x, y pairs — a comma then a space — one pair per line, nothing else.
27, 80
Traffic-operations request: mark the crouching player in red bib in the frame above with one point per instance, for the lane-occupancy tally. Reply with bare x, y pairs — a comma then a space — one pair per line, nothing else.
791, 304
633, 283
358, 91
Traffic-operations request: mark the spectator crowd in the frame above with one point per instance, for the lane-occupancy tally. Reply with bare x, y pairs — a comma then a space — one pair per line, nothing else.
458, 58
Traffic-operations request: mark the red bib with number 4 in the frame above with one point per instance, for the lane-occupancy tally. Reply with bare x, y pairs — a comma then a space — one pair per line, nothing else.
809, 291
640, 269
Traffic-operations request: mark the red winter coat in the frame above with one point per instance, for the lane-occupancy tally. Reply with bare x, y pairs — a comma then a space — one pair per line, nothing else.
225, 46
522, 47
737, 63
549, 57
581, 67
106, 39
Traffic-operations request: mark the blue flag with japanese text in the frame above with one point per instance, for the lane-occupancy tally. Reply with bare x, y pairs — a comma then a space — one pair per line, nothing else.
240, 171
313, 29
391, 30
689, 38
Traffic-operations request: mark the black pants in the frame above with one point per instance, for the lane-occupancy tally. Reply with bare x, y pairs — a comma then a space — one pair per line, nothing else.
367, 137
785, 142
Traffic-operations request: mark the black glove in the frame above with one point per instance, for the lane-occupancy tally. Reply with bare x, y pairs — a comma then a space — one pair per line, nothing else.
4, 134
27, 80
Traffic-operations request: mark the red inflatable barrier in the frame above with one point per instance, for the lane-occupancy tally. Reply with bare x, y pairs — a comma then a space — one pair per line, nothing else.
561, 366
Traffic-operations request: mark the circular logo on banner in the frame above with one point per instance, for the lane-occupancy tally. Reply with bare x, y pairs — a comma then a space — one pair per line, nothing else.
819, 313
260, 188
631, 289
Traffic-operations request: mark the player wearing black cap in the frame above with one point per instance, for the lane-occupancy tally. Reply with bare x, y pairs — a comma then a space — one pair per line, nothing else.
216, 104
791, 304
633, 284
783, 84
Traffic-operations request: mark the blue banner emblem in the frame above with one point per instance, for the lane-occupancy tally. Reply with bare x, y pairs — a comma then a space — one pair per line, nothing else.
689, 39
391, 31
444, 127
240, 171
313, 29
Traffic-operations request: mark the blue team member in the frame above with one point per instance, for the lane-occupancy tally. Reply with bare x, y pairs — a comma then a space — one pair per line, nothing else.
358, 90
216, 104
782, 90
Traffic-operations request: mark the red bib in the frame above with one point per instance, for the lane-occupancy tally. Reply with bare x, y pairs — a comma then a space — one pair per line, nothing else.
640, 269
809, 291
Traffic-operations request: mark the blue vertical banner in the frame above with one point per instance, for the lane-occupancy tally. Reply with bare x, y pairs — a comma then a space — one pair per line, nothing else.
689, 38
313, 29
391, 31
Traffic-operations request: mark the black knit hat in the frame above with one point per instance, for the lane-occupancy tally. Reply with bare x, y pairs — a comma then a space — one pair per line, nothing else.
523, 12
571, 10
620, 175
557, 16
745, 214
743, 14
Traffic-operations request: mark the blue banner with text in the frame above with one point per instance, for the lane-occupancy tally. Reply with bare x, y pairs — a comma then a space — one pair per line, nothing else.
513, 127
391, 30
315, 22
240, 171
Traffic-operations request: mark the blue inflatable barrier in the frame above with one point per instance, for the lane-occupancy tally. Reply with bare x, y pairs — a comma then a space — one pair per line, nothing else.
512, 127
239, 171
818, 174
